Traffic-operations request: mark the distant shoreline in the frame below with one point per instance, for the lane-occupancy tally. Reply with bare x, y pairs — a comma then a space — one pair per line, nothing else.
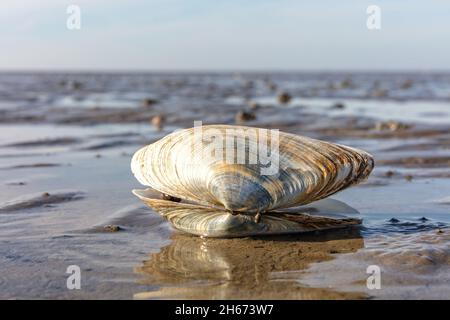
225, 71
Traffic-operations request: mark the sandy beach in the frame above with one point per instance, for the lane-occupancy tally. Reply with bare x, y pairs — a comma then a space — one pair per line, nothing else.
65, 186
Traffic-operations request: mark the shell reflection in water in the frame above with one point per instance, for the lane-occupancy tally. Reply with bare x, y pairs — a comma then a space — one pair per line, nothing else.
243, 268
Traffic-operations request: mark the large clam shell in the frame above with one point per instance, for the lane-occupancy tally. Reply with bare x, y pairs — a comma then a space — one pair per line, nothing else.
212, 222
308, 169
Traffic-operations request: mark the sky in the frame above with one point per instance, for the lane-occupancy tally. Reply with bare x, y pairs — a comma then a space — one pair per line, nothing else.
224, 35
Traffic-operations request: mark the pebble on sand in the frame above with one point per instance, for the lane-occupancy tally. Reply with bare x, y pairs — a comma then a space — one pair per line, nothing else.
389, 173
284, 98
158, 121
16, 183
112, 228
391, 126
338, 106
243, 116
149, 102
76, 85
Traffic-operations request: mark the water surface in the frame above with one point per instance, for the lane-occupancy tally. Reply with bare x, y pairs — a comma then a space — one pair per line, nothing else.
65, 146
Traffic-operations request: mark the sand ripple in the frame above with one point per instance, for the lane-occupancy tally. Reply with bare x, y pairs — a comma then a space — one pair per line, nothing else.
35, 200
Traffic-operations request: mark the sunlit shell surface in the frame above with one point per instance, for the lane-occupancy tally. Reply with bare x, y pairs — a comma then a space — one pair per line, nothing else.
307, 169
211, 222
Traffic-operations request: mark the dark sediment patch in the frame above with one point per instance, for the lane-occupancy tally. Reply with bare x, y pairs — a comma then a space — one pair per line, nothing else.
116, 135
434, 114
80, 116
366, 132
372, 183
284, 98
389, 174
32, 165
106, 116
109, 144
25, 155
243, 116
112, 228
432, 145
394, 175
337, 106
17, 118
40, 199
15, 183
149, 102
45, 142
404, 226
438, 175
418, 162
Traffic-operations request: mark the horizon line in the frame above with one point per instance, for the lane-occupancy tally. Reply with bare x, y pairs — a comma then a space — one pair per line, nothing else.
220, 71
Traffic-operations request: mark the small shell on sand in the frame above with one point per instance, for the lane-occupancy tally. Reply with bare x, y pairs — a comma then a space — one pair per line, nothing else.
158, 121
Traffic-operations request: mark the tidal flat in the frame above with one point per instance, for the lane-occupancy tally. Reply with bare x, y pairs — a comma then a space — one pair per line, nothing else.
65, 186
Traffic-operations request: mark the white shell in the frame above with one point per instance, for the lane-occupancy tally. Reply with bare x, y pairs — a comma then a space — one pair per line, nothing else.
309, 170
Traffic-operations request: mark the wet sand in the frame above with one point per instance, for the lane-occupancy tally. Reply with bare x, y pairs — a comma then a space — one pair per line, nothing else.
248, 268
414, 267
66, 187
